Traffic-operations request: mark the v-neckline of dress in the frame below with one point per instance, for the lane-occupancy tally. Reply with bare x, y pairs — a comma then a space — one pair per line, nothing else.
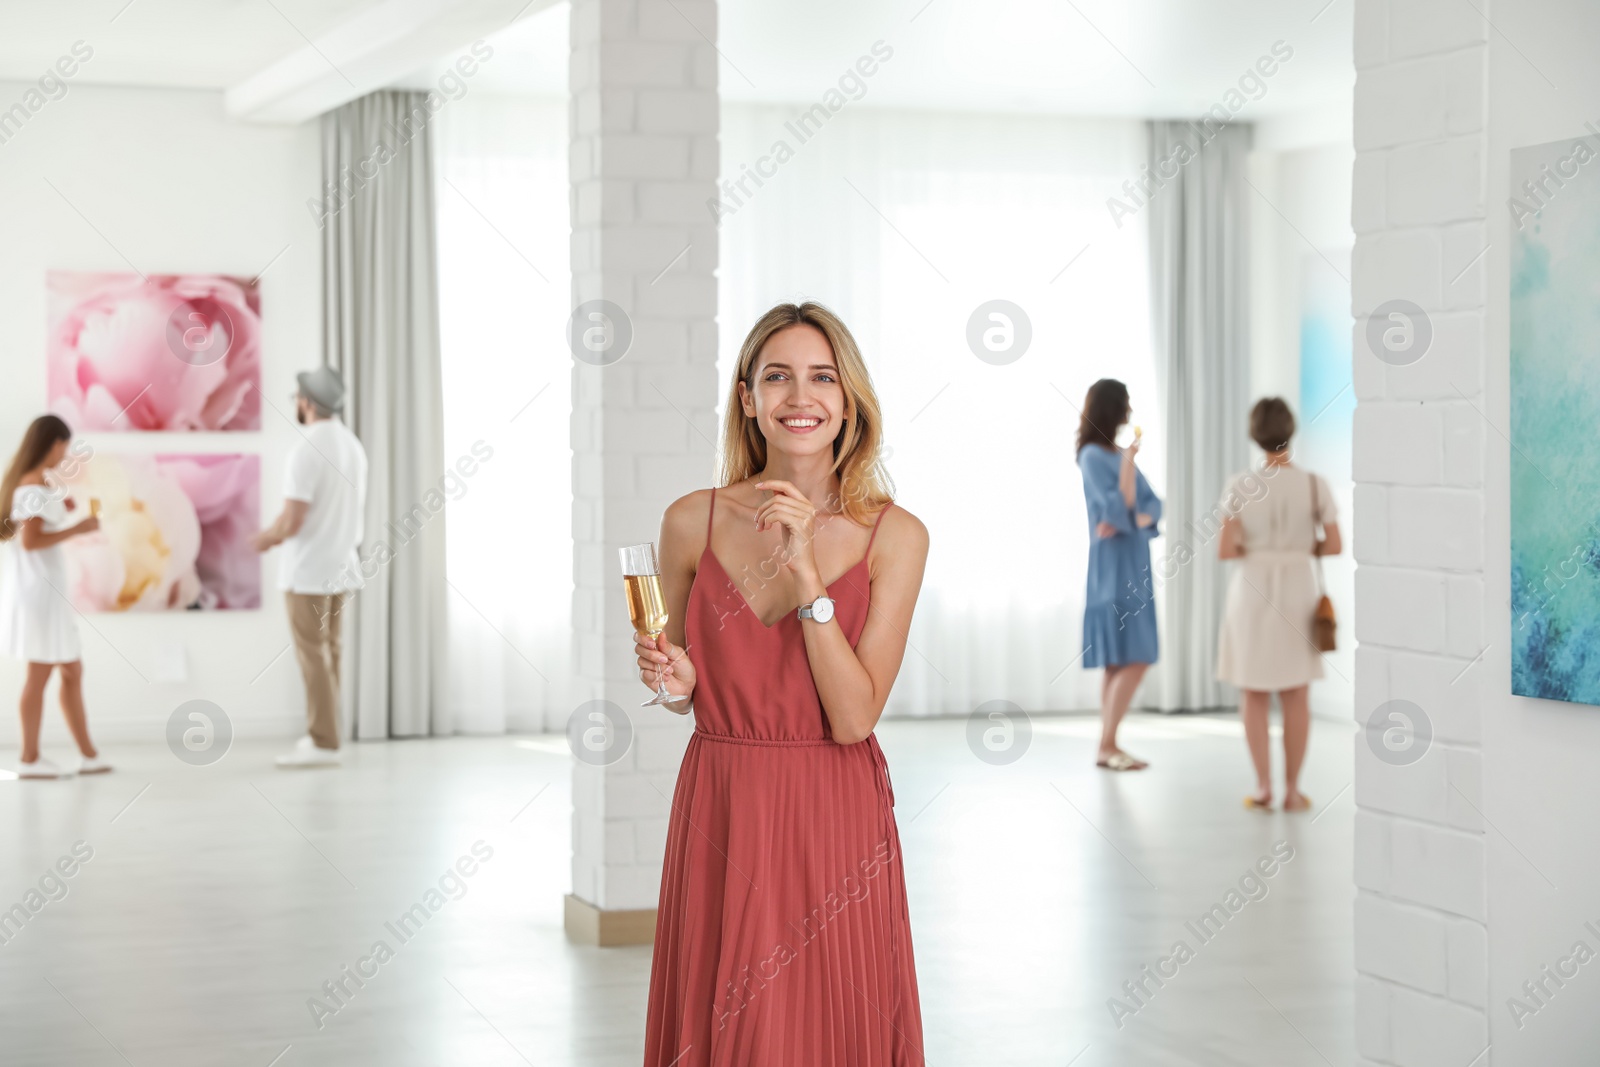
790, 612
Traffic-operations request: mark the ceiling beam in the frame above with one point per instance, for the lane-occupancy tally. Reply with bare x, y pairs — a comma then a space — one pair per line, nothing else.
368, 51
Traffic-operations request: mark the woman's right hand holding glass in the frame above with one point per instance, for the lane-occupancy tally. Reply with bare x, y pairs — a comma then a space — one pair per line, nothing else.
89, 525
660, 659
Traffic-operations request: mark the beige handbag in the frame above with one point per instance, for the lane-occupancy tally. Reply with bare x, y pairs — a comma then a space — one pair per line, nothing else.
1323, 624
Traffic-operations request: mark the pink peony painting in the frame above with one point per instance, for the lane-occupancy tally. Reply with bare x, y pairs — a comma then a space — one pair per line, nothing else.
167, 352
174, 533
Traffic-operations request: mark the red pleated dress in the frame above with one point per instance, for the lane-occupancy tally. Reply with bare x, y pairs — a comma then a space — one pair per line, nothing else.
783, 938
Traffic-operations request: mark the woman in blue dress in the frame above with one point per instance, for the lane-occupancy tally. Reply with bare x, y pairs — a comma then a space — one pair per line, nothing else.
1119, 617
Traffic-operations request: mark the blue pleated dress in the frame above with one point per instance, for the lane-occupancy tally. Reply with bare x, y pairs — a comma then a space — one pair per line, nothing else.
1119, 611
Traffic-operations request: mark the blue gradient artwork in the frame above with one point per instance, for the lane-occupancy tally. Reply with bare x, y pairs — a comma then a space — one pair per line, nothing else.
1327, 399
1555, 412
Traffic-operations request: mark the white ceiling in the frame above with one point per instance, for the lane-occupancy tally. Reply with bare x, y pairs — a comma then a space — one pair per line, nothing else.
202, 44
1127, 57
1110, 57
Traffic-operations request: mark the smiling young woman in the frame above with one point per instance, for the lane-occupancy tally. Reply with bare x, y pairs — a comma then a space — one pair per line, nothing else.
783, 936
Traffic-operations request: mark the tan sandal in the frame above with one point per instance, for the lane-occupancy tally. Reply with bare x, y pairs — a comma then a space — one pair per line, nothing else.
1304, 805
1252, 804
1121, 761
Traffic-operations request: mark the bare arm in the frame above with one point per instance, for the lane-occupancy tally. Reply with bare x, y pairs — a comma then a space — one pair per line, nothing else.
1331, 543
682, 541
285, 526
33, 536
854, 683
1230, 545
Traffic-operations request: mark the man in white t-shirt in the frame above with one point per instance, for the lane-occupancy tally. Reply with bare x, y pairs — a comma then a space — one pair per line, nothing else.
325, 497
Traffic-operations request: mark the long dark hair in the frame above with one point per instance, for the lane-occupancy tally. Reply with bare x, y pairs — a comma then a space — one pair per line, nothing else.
1105, 409
42, 435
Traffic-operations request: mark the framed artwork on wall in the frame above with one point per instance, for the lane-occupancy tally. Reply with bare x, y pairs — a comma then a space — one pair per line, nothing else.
174, 532
166, 352
1555, 407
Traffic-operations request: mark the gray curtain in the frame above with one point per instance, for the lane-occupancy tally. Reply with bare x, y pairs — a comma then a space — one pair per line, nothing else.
380, 322
1200, 280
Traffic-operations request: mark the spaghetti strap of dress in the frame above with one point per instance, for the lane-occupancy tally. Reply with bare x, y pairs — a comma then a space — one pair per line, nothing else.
877, 523
710, 514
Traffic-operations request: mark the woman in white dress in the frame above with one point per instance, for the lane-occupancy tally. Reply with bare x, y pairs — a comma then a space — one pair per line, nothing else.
1270, 527
36, 623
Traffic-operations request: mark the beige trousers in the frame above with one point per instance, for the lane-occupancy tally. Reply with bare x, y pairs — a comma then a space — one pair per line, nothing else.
314, 622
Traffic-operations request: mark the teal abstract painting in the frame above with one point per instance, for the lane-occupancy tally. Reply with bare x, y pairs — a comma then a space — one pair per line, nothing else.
1327, 394
1555, 415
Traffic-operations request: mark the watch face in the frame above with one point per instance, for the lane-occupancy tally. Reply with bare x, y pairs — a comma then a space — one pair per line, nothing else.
822, 609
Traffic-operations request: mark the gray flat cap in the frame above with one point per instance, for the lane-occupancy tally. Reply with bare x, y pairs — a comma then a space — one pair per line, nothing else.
323, 387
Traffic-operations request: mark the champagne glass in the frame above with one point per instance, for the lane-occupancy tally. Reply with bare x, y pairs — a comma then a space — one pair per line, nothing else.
641, 576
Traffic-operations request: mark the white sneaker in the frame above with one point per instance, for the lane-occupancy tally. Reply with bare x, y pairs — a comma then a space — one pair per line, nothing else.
307, 754
41, 768
93, 765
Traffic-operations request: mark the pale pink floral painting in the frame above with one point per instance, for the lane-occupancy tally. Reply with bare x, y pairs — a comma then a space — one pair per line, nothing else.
174, 533
167, 352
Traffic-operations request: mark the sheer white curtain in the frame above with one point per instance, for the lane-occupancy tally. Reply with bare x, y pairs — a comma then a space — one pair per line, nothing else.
904, 223
1200, 311
504, 299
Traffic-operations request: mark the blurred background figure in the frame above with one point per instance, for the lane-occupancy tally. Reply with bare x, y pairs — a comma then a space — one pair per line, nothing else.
1119, 618
36, 623
320, 527
1266, 644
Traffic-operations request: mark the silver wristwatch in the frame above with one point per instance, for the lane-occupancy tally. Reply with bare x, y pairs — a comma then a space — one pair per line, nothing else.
819, 610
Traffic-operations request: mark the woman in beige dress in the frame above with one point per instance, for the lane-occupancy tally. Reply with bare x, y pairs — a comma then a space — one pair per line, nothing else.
1272, 518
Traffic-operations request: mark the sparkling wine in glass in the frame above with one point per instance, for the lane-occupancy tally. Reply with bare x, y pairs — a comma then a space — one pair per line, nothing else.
641, 577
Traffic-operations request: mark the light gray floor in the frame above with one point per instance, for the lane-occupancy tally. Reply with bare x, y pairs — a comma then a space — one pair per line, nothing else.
221, 899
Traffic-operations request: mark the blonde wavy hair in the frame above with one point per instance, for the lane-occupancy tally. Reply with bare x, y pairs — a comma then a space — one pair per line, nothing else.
864, 485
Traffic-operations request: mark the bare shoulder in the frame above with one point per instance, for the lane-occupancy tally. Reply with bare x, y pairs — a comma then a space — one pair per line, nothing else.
685, 518
695, 505
903, 534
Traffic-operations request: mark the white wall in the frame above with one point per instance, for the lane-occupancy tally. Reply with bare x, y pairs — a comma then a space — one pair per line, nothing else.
172, 185
1473, 867
644, 161
1300, 167
1539, 780
1310, 184
1423, 503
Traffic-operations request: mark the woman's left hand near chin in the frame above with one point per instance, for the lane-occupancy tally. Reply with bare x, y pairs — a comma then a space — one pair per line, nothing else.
797, 518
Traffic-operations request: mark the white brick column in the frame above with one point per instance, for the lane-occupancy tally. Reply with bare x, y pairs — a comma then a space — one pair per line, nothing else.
644, 163
1421, 942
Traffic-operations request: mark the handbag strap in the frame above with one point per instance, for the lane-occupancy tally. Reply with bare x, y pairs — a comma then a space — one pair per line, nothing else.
1316, 542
